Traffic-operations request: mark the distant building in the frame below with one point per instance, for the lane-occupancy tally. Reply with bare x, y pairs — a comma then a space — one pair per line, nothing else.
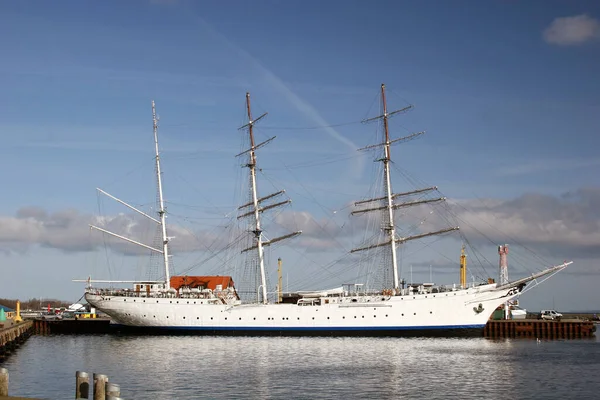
8, 312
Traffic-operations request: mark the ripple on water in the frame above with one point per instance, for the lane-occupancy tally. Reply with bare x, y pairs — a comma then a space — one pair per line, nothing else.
191, 367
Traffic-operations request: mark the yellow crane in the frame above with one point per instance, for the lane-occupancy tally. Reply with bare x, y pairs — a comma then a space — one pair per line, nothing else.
463, 267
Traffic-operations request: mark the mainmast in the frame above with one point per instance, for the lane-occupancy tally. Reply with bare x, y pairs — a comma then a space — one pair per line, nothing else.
161, 209
161, 203
255, 202
388, 187
389, 197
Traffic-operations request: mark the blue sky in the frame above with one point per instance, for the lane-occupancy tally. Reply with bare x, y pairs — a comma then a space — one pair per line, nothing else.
507, 92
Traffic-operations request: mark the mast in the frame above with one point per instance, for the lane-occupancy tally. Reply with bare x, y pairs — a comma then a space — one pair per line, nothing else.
257, 231
161, 203
389, 196
388, 189
255, 202
161, 209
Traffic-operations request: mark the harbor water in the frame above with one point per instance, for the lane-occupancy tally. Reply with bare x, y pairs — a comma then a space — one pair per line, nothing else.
196, 367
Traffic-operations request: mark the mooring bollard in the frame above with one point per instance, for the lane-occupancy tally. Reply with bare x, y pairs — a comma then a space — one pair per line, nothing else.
112, 389
82, 385
99, 385
3, 382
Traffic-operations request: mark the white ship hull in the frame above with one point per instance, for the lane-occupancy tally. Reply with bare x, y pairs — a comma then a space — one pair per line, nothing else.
447, 313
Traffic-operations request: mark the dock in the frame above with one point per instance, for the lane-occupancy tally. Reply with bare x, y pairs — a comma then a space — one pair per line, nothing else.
71, 326
12, 335
540, 329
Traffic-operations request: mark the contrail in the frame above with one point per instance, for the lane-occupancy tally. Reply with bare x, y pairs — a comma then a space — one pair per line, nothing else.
279, 85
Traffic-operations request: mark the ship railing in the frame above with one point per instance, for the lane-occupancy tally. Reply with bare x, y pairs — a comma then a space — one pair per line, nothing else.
152, 294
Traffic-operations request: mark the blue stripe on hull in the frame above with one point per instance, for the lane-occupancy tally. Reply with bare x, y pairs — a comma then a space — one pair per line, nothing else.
440, 331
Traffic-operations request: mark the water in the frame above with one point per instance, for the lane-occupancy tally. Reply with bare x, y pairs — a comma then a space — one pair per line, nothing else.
195, 367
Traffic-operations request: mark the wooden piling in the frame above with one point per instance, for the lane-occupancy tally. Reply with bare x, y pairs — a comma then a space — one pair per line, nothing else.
82, 385
100, 381
112, 390
3, 382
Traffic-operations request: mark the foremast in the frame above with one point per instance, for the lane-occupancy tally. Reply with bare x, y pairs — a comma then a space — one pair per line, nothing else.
161, 211
161, 202
255, 201
389, 197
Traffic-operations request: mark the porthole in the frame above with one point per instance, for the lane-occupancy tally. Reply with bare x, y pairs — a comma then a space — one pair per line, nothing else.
144, 301
167, 317
225, 318
183, 317
124, 299
403, 315
197, 317
414, 313
240, 318
327, 317
430, 312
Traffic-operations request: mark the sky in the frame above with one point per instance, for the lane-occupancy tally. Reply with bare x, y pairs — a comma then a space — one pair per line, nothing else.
507, 92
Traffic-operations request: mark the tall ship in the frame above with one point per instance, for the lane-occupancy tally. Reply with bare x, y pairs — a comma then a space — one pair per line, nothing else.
213, 305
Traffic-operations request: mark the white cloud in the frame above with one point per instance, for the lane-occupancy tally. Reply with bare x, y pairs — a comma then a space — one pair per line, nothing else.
69, 231
567, 225
567, 31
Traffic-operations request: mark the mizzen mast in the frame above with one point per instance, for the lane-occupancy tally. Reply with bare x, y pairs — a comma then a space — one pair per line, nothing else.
389, 197
256, 203
161, 203
161, 209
